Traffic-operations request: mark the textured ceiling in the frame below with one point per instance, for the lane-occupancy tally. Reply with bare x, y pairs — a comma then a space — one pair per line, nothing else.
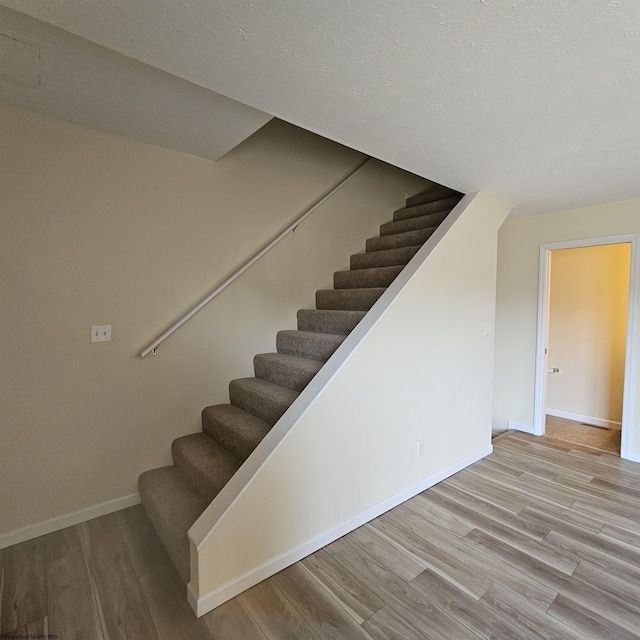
534, 101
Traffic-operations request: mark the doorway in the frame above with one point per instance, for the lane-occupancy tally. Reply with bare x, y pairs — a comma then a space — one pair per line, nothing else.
588, 310
585, 347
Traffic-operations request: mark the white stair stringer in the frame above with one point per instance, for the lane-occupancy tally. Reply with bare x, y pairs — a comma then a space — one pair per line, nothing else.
418, 367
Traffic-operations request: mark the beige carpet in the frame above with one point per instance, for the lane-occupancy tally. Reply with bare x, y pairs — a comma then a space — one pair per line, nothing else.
579, 433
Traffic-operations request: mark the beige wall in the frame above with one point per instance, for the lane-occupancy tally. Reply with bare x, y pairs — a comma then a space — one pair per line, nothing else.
588, 305
517, 299
418, 368
99, 229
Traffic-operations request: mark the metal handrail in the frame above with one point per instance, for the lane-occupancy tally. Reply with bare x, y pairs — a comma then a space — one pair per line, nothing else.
152, 348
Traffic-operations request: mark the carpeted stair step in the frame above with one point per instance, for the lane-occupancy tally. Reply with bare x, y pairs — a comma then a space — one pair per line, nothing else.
262, 399
328, 321
407, 239
172, 505
436, 192
308, 344
233, 429
411, 224
348, 299
366, 278
288, 371
423, 209
388, 258
204, 463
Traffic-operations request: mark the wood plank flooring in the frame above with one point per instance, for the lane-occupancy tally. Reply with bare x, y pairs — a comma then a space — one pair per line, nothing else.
585, 434
539, 540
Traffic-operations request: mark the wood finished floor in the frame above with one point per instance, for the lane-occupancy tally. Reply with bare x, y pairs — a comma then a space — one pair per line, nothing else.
584, 434
539, 540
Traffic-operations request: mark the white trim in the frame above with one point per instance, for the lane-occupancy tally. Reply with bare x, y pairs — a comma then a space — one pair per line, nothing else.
631, 355
596, 422
632, 457
540, 385
67, 520
519, 426
633, 327
218, 596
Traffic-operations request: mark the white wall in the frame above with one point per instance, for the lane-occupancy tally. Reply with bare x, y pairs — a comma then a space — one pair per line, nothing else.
99, 229
588, 306
418, 368
517, 301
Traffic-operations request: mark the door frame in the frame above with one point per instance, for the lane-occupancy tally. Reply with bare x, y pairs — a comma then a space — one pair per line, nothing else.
633, 330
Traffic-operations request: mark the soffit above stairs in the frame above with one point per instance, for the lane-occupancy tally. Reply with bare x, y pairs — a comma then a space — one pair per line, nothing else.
49, 70
534, 102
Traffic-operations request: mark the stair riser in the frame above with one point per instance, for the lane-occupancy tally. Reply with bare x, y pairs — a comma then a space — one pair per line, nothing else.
173, 506
393, 257
437, 192
179, 556
424, 209
411, 224
408, 239
257, 404
348, 299
289, 377
238, 433
196, 479
207, 468
328, 322
366, 278
316, 348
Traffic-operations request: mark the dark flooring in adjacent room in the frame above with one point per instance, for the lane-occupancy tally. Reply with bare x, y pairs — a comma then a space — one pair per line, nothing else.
584, 434
539, 540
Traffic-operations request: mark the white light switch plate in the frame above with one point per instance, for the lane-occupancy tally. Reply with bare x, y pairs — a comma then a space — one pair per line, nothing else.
100, 333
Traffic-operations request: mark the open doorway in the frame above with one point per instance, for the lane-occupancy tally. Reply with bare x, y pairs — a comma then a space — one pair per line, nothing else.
587, 329
546, 394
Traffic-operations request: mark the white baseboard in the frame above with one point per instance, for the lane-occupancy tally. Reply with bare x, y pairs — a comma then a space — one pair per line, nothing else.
67, 520
632, 457
597, 422
519, 426
263, 571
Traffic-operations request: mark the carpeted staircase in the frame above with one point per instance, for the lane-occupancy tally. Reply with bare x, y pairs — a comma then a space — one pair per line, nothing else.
175, 496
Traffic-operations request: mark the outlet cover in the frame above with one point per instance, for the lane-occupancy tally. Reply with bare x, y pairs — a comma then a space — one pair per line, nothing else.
100, 333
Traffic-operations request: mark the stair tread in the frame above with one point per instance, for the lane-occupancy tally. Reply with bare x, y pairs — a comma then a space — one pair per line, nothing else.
268, 388
293, 372
314, 344
236, 430
306, 364
431, 194
412, 224
205, 464
432, 206
329, 320
172, 505
261, 398
366, 278
383, 258
360, 299
399, 240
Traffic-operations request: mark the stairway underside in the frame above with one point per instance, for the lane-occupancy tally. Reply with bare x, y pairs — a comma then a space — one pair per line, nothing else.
175, 496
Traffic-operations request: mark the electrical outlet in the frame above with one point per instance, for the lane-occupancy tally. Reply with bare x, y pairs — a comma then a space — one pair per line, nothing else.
487, 328
420, 448
100, 333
